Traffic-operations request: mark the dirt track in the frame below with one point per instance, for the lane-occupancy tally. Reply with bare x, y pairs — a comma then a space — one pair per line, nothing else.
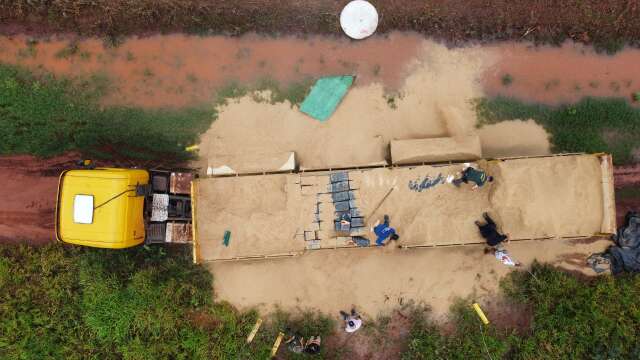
379, 279
608, 23
626, 176
28, 196
177, 70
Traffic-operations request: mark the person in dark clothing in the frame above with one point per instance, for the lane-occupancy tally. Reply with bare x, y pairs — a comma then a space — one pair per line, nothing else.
489, 231
298, 345
313, 345
470, 174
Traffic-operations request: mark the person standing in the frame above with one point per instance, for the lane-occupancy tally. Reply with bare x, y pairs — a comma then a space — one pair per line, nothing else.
352, 321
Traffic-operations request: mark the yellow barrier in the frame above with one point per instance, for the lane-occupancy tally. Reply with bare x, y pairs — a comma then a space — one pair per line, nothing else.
276, 344
254, 331
480, 313
194, 227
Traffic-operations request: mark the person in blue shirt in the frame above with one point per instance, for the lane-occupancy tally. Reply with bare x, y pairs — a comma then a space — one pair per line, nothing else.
384, 231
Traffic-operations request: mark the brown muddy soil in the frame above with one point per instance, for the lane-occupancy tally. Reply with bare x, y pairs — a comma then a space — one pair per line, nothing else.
607, 23
627, 176
28, 194
382, 339
625, 205
178, 70
627, 183
557, 75
507, 315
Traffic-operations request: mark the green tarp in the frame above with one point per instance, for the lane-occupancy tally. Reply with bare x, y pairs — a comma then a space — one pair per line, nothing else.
325, 96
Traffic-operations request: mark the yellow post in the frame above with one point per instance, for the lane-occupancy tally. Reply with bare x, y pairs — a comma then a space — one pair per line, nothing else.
276, 344
480, 313
253, 332
194, 226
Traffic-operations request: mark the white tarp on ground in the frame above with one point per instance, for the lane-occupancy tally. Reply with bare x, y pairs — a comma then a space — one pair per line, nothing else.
252, 163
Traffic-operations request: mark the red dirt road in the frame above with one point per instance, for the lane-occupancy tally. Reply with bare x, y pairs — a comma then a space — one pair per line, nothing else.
626, 176
29, 196
561, 75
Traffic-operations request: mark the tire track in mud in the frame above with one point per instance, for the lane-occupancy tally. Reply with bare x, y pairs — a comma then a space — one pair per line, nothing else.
28, 195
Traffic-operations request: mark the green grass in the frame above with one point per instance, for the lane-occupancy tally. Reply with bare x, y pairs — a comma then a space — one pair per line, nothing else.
469, 340
30, 51
628, 193
609, 45
572, 319
294, 93
506, 79
68, 51
47, 116
143, 303
152, 303
578, 319
592, 125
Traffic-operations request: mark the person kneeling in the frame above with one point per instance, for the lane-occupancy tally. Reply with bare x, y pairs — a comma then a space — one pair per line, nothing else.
385, 233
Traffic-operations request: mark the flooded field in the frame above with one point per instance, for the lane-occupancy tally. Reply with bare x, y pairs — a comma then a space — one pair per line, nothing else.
178, 70
555, 75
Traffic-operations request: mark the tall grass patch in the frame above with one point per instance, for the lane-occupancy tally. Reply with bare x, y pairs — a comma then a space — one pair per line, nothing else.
609, 125
46, 116
573, 318
65, 302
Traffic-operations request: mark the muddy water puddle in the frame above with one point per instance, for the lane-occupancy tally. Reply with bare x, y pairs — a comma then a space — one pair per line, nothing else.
177, 70
555, 75
425, 80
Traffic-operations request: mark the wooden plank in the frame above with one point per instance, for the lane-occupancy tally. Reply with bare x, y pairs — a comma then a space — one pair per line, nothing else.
254, 331
276, 344
608, 195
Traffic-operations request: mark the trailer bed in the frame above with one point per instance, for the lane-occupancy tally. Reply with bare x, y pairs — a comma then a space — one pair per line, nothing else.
286, 214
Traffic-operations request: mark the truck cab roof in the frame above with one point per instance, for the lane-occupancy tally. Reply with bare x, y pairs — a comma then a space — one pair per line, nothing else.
99, 207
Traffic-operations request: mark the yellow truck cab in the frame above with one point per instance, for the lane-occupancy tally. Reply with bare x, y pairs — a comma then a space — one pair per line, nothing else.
120, 208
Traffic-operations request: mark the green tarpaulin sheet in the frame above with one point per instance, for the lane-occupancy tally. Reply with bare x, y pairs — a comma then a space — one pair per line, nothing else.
325, 96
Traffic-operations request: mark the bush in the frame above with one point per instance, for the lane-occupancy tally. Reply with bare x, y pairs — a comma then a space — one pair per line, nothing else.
595, 319
46, 116
572, 319
592, 125
469, 340
142, 303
